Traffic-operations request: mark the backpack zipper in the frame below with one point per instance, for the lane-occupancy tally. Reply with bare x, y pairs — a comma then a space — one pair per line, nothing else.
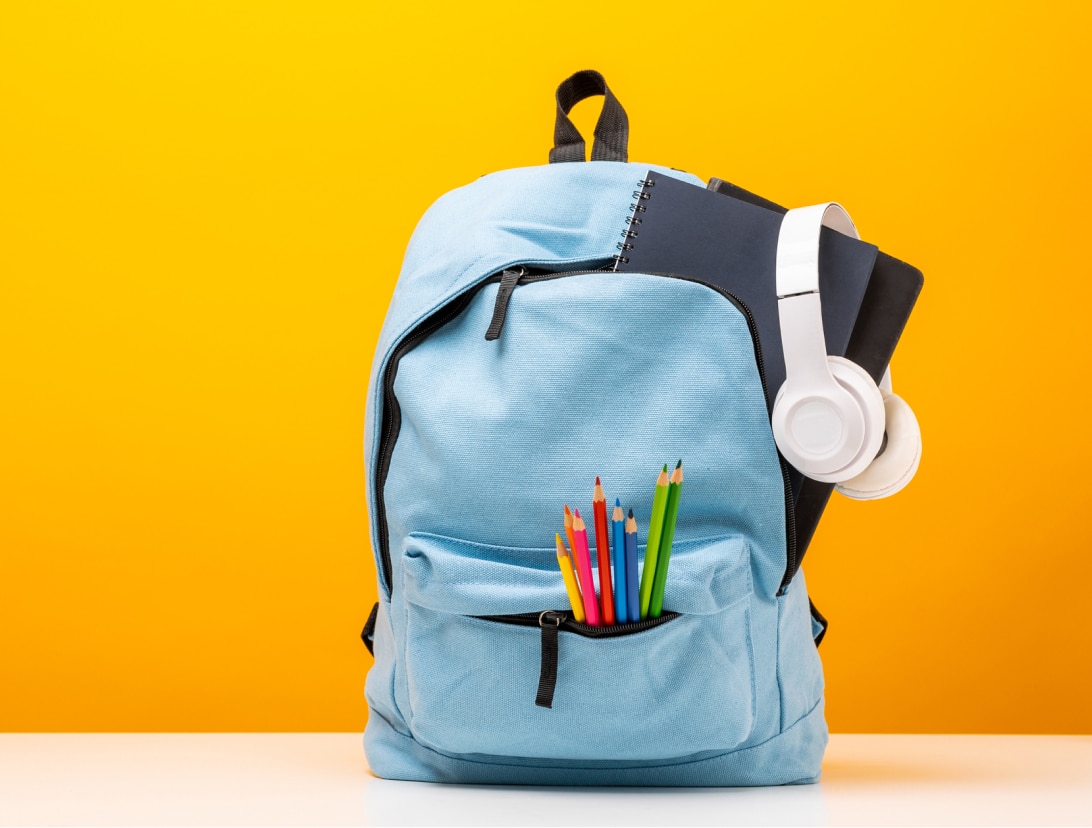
514, 276
552, 622
508, 282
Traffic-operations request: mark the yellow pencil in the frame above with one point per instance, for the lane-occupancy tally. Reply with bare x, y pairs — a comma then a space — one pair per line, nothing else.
570, 580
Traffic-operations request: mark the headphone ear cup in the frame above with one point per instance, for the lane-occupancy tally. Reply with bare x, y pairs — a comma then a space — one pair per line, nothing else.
893, 469
857, 382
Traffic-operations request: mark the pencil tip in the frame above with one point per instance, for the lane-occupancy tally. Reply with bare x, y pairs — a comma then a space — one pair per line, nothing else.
665, 467
567, 509
630, 513
597, 483
617, 501
578, 513
679, 464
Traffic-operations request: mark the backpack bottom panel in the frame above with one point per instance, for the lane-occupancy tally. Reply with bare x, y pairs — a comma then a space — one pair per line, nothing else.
791, 758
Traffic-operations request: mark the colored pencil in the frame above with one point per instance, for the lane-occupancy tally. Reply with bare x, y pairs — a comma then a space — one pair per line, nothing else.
569, 527
569, 577
652, 548
633, 600
583, 568
656, 605
618, 532
602, 552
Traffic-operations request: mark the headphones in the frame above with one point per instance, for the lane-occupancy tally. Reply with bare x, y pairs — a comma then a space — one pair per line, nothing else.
830, 418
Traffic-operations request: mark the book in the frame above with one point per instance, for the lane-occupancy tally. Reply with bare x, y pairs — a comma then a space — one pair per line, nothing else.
727, 236
732, 244
885, 309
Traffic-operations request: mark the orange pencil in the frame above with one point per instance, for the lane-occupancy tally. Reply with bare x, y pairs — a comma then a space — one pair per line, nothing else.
569, 528
602, 552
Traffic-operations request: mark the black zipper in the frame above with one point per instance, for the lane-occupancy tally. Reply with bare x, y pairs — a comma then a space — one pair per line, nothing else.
570, 624
392, 414
523, 275
552, 622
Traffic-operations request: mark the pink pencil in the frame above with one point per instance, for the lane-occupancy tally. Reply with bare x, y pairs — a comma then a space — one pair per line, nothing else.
583, 568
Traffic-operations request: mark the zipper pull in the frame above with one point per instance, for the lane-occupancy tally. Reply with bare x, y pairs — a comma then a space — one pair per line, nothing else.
509, 279
550, 621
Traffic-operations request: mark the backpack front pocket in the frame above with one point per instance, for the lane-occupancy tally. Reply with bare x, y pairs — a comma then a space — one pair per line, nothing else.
473, 654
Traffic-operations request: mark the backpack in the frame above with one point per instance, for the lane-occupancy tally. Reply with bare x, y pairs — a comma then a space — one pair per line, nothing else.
513, 368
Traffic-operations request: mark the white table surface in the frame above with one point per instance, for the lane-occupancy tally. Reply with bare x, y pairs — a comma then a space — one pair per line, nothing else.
323, 779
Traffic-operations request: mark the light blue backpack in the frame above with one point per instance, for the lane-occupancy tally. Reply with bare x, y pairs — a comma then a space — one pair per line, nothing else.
474, 442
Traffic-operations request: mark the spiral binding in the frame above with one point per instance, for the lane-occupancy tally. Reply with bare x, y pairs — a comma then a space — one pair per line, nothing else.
633, 221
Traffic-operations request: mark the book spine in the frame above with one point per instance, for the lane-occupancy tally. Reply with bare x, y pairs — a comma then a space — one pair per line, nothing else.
633, 221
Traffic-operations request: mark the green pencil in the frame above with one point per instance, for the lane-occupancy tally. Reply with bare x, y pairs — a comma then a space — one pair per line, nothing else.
655, 527
656, 605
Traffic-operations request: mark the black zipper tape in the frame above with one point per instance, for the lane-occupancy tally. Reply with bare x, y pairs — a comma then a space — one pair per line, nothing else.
392, 417
547, 674
554, 621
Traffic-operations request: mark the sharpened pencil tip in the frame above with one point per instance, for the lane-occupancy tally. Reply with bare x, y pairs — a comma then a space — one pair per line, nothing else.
630, 513
617, 501
597, 483
577, 513
665, 467
679, 464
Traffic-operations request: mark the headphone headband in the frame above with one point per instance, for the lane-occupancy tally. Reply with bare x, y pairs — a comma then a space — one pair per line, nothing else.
798, 245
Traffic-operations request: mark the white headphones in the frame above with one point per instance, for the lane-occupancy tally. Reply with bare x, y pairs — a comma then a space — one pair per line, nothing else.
830, 417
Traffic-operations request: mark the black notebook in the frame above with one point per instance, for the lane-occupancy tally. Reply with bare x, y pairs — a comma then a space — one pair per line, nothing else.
732, 245
885, 309
731, 242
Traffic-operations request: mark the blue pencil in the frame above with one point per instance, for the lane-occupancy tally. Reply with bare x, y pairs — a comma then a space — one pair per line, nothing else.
633, 601
617, 525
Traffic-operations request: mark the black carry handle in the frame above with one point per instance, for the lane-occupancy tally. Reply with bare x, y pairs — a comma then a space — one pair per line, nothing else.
611, 131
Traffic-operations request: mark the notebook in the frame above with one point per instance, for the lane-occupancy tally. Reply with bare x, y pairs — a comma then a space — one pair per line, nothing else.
885, 308
732, 245
884, 312
731, 242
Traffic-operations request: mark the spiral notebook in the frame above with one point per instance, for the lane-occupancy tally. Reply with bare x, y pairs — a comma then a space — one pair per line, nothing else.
676, 227
727, 236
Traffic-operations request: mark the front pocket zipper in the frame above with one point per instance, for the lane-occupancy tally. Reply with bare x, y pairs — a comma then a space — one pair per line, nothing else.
552, 622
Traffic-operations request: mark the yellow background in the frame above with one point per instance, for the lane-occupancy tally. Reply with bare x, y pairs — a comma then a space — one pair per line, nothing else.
203, 210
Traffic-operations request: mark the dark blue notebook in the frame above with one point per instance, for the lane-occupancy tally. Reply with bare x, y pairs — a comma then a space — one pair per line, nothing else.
728, 236
729, 243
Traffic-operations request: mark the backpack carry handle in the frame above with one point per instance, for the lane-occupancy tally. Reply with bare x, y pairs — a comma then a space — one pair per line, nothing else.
611, 130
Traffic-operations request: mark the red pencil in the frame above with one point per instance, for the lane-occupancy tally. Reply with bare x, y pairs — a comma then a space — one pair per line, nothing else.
602, 552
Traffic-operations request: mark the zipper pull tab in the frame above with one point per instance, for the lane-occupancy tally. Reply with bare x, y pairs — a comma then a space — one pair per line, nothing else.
509, 279
550, 621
